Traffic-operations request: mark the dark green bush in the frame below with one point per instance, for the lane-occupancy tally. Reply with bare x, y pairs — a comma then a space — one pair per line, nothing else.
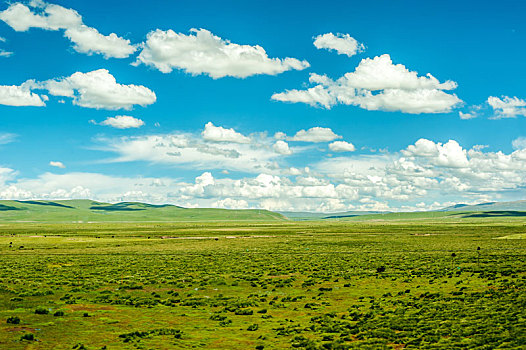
41, 311
13, 320
244, 312
28, 336
253, 327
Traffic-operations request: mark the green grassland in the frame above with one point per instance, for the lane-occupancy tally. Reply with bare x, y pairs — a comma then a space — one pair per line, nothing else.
415, 284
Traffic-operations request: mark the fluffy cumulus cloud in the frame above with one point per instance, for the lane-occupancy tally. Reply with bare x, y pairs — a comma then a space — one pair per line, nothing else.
315, 134
123, 122
57, 164
88, 40
343, 44
519, 143
507, 107
341, 146
98, 89
282, 147
378, 84
220, 134
450, 154
202, 52
39, 14
20, 95
424, 175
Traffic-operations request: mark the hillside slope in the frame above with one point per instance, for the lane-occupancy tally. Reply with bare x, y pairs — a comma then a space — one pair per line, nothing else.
490, 206
303, 215
91, 211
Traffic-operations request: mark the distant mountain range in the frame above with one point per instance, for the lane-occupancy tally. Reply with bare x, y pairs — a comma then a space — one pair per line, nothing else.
304, 215
489, 206
92, 211
515, 206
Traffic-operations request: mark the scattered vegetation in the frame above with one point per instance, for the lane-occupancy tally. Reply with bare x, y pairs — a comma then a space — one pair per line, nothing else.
301, 285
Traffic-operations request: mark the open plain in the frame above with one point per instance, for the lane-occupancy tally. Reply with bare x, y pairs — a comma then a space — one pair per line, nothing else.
426, 283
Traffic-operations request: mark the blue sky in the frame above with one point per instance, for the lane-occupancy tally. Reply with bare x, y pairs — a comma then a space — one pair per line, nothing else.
111, 102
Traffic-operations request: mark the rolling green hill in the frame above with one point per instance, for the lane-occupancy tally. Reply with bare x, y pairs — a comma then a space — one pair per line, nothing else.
440, 215
495, 210
91, 211
490, 206
304, 215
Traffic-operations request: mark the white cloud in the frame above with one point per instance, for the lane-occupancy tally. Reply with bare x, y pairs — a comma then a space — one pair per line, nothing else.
507, 107
282, 147
54, 17
42, 15
220, 134
14, 95
4, 53
280, 135
229, 203
6, 138
343, 44
315, 134
293, 171
78, 186
314, 96
88, 40
57, 164
413, 102
341, 146
99, 89
466, 116
201, 52
519, 143
380, 73
441, 172
450, 154
122, 122
191, 150
13, 192
378, 84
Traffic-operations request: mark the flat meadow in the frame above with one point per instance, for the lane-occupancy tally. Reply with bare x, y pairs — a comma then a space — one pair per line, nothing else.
280, 285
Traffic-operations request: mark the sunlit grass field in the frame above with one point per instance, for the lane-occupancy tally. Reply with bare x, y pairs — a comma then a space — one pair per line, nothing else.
274, 285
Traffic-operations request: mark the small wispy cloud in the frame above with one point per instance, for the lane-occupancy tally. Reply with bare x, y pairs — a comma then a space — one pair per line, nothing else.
4, 53
6, 138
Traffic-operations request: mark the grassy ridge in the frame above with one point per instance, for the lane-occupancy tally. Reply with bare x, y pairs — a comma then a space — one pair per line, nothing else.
91, 211
451, 216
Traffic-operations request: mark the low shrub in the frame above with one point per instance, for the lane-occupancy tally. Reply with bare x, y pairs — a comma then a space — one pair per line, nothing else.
41, 311
13, 320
